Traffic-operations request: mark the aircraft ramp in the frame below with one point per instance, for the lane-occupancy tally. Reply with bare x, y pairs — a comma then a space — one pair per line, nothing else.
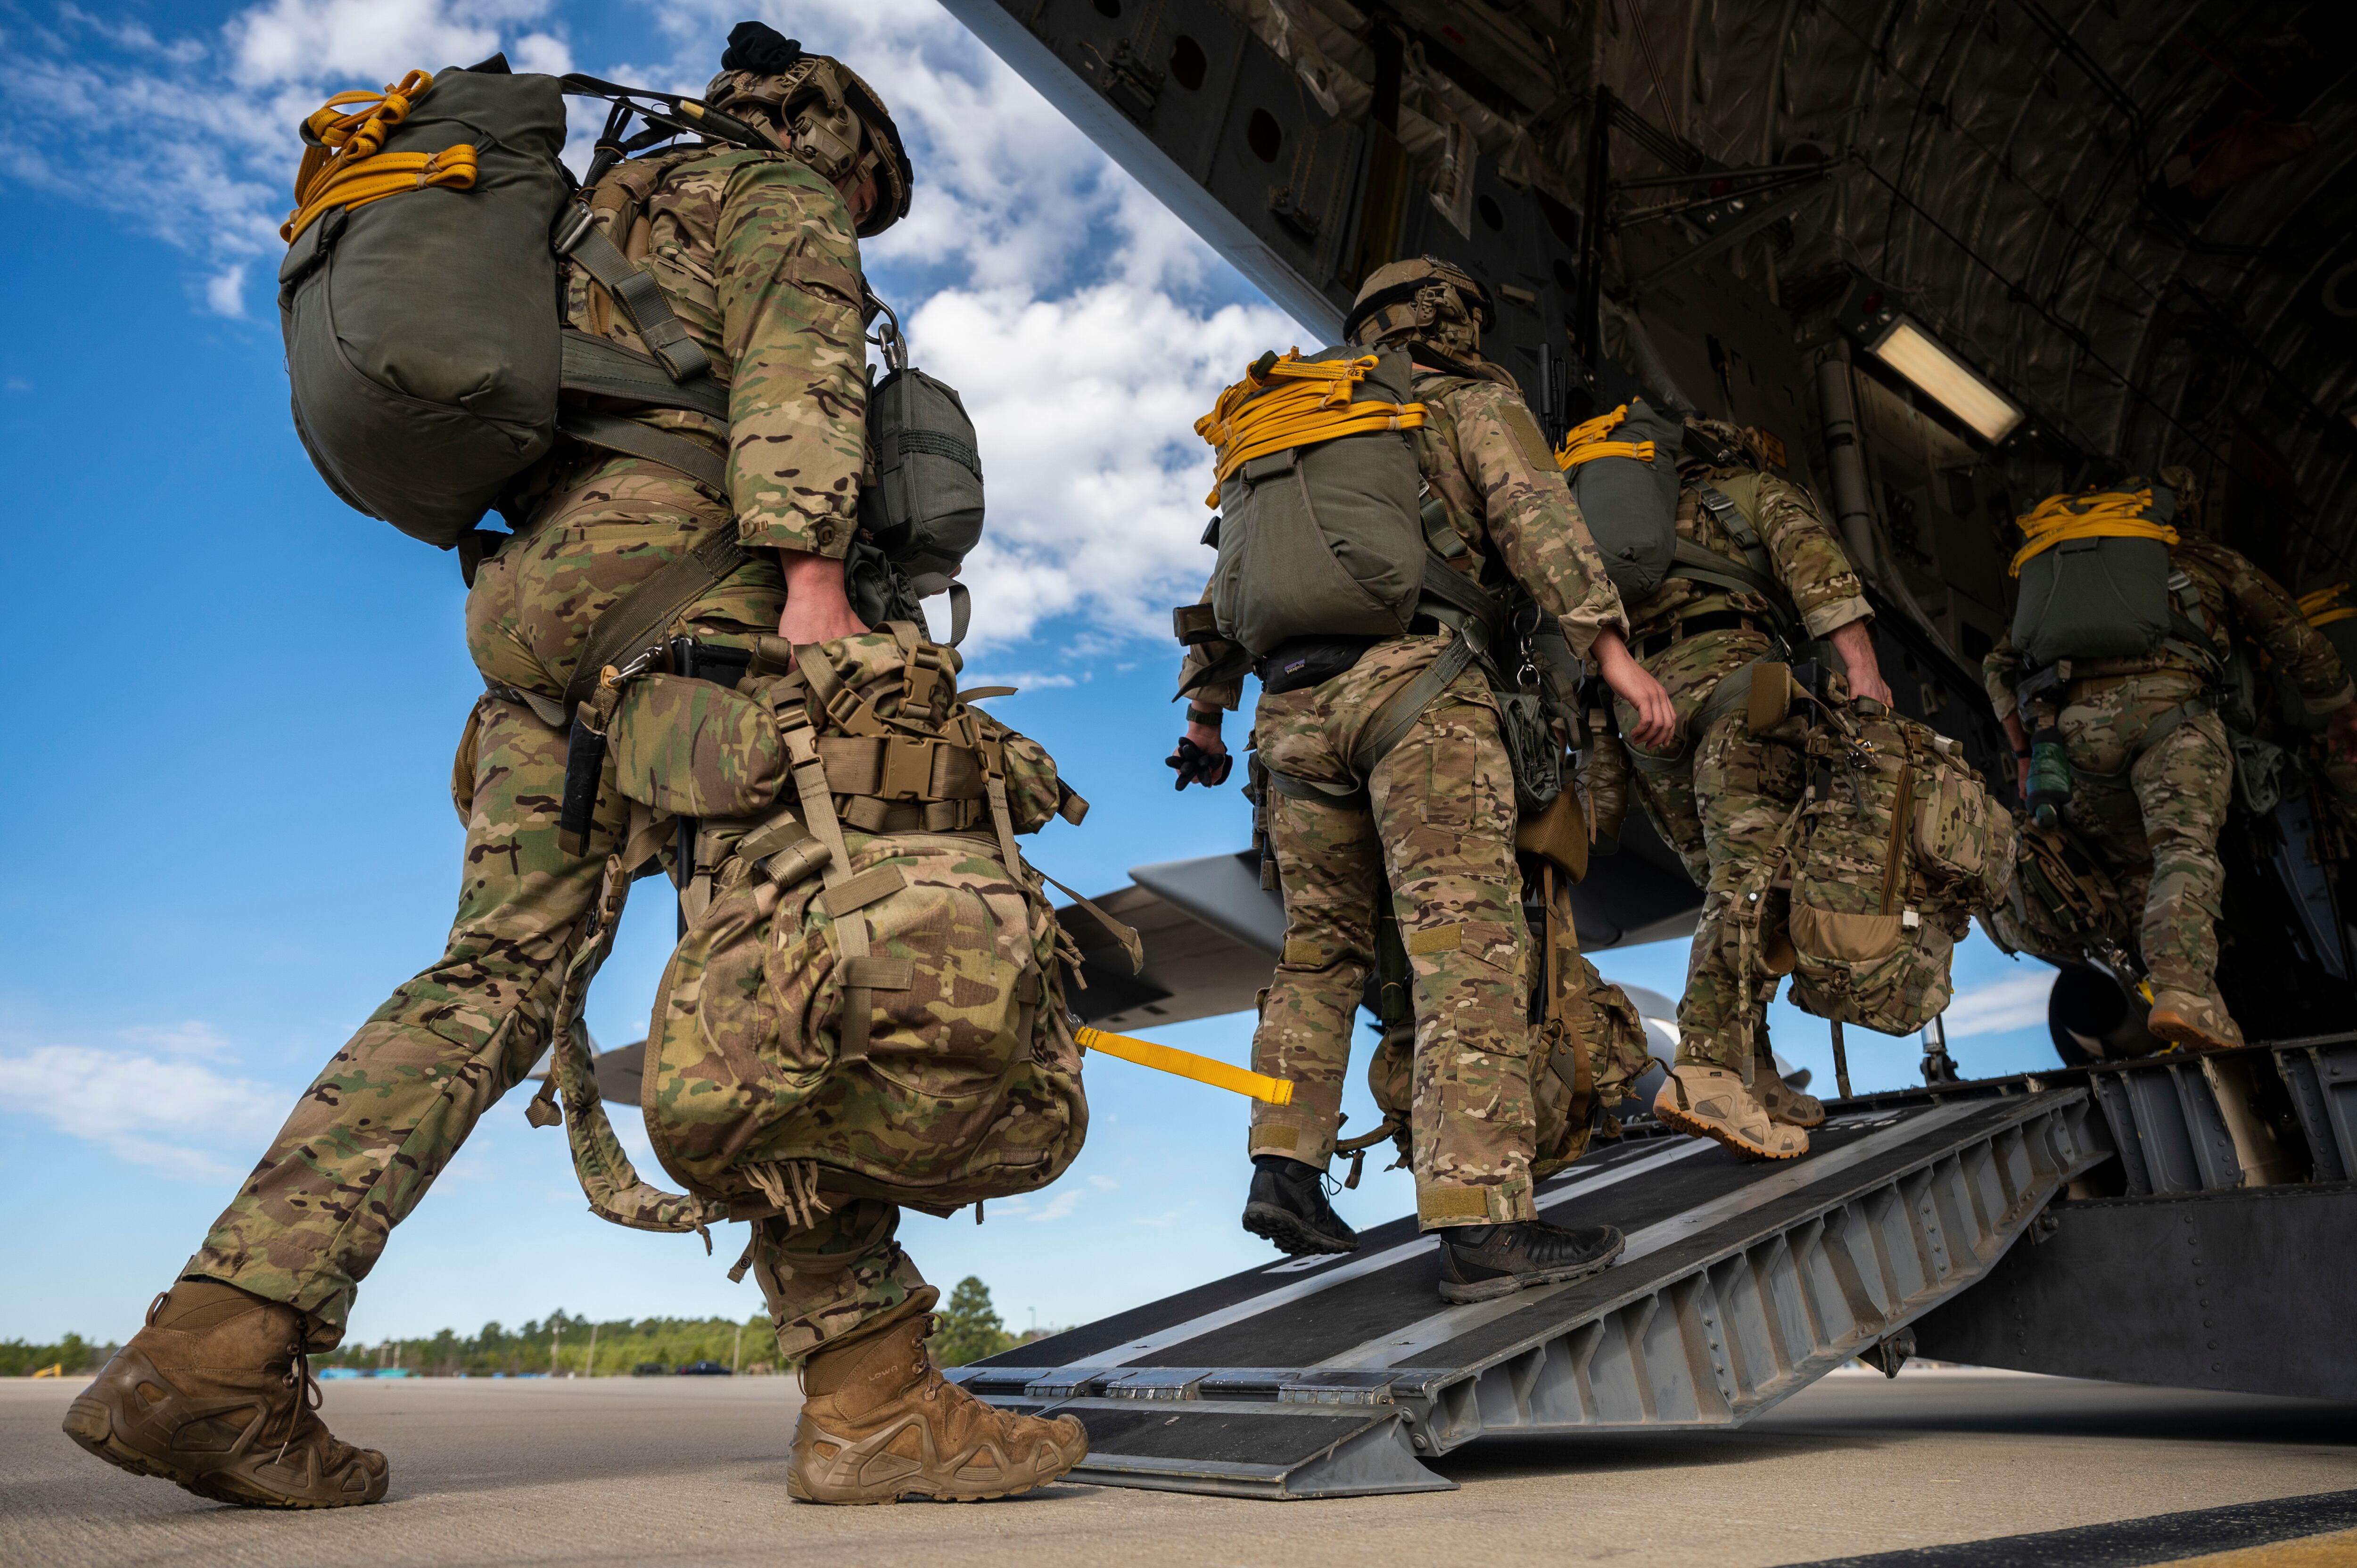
1742, 1283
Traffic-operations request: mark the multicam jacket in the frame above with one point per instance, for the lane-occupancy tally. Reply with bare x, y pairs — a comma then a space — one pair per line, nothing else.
2236, 598
1481, 454
756, 256
1803, 555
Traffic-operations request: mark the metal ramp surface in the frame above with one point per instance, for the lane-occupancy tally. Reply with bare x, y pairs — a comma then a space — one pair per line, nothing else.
1741, 1284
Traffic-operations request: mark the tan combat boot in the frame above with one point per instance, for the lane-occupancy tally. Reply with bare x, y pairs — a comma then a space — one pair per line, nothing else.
1711, 1103
216, 1394
2194, 1022
1784, 1104
882, 1424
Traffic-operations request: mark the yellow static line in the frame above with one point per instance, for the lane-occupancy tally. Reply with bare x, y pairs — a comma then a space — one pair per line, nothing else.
1187, 1064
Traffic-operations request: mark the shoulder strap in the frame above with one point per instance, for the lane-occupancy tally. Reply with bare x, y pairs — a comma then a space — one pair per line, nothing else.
605, 368
619, 433
636, 294
1734, 517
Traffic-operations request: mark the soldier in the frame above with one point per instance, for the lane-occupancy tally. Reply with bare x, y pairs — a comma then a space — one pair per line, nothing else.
2151, 771
1720, 795
1435, 823
757, 256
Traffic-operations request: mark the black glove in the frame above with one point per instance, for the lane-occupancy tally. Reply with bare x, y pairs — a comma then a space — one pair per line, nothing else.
1197, 766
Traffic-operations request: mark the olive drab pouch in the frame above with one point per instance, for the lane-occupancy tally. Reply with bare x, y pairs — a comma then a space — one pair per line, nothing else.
420, 322
1893, 849
923, 511
1624, 474
2094, 578
1319, 533
870, 1003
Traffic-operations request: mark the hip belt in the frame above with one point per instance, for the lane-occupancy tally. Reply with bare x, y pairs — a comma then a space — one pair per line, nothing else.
1694, 626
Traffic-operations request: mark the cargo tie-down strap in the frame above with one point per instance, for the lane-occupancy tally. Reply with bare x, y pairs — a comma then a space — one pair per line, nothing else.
1289, 402
2119, 514
1187, 1064
346, 166
1588, 442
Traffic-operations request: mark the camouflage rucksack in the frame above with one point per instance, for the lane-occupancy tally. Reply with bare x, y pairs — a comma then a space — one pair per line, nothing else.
1890, 853
2062, 906
867, 999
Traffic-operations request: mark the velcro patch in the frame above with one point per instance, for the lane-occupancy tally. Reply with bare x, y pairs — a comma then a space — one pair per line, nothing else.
1301, 954
1272, 1137
1452, 1203
1527, 440
1437, 939
881, 882
878, 973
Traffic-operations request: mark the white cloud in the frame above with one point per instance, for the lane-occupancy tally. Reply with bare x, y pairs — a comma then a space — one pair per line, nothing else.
191, 1038
2017, 1002
166, 1115
1059, 1207
1085, 326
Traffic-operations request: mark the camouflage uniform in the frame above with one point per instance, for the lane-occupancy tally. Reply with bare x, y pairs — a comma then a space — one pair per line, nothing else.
1437, 823
756, 256
1723, 801
2153, 810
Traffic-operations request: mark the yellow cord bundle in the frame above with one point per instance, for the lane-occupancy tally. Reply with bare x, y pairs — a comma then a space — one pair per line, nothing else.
1292, 402
2323, 606
347, 165
1187, 1064
1588, 442
2114, 514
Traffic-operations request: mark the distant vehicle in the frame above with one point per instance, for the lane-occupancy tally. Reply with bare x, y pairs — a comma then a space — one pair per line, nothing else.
650, 1370
705, 1369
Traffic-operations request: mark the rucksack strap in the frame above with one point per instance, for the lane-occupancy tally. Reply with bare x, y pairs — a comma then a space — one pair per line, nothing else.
597, 365
635, 295
619, 433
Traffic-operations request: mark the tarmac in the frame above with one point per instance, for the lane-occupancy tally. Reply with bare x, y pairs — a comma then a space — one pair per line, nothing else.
690, 1471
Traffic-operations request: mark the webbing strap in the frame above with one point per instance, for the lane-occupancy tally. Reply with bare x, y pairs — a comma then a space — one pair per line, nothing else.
1289, 402
2114, 514
605, 368
1131, 943
1692, 561
647, 611
635, 295
1392, 722
1187, 1064
1585, 443
619, 433
851, 926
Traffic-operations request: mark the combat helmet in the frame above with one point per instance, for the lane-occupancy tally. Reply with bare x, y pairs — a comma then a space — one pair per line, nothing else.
1722, 444
840, 126
1438, 303
2188, 490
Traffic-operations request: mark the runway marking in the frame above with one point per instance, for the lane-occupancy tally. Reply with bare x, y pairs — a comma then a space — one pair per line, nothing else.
1400, 1346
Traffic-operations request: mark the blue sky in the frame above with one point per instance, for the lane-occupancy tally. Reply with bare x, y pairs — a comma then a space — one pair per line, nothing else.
236, 701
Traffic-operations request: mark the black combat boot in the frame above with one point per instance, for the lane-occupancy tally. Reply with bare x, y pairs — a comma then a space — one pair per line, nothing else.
1479, 1261
1288, 1206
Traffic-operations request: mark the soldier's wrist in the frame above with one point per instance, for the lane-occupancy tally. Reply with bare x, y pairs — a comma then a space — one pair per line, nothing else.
1207, 716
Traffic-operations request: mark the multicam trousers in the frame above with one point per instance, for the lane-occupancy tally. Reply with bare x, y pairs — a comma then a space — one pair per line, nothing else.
391, 1107
1720, 808
1436, 822
2154, 817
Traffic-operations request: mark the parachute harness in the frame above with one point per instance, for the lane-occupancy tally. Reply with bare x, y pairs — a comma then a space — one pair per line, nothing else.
1287, 401
2117, 514
344, 164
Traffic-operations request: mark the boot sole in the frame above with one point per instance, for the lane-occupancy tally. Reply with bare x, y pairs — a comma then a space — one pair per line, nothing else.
1284, 1230
1507, 1284
2184, 1034
1726, 1136
91, 1424
918, 1495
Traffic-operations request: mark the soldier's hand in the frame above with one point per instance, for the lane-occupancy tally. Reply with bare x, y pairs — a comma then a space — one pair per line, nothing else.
1657, 721
1856, 645
1198, 763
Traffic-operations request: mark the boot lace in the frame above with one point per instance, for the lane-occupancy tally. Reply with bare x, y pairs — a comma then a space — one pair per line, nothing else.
308, 1394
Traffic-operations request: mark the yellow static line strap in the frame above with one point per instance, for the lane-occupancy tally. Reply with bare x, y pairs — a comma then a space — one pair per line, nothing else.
1187, 1064
1588, 442
346, 166
2116, 514
1291, 401
2323, 606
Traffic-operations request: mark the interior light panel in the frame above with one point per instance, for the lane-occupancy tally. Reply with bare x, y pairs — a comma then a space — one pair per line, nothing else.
1925, 360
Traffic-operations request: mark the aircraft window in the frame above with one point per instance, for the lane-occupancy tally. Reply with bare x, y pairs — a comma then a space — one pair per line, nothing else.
1263, 136
1188, 63
1109, 9
1489, 213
